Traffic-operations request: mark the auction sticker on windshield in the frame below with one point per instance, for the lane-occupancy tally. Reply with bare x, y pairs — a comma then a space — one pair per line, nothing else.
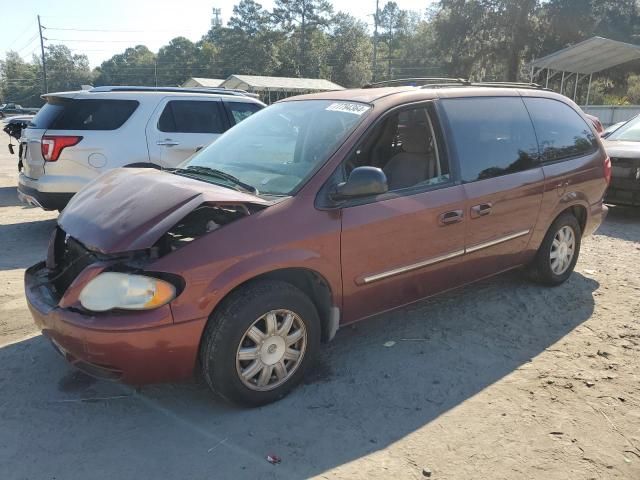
347, 107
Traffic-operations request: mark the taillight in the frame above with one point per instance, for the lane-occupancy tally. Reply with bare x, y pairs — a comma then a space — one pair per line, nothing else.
607, 169
52, 145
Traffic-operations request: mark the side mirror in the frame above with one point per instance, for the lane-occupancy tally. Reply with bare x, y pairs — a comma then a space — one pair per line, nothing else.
362, 182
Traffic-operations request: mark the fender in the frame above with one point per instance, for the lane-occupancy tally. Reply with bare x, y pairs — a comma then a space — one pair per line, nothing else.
262, 263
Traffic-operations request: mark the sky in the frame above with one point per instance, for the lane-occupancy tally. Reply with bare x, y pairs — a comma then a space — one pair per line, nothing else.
103, 28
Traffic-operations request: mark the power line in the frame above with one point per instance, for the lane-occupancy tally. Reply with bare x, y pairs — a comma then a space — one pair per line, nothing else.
20, 35
92, 41
28, 44
109, 30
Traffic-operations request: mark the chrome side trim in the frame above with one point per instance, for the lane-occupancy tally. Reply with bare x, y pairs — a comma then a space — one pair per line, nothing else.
442, 258
480, 246
414, 266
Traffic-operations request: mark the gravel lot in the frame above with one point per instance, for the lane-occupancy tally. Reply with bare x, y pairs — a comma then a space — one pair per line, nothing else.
500, 380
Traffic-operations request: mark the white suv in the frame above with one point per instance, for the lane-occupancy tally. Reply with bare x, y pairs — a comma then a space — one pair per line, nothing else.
76, 136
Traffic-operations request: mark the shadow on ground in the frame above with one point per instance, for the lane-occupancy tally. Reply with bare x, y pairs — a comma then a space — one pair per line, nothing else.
9, 197
56, 423
622, 222
23, 244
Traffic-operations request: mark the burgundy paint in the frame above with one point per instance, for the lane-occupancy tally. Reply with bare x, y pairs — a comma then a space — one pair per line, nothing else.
130, 209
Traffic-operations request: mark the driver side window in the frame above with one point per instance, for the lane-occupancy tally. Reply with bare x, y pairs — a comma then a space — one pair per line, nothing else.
404, 145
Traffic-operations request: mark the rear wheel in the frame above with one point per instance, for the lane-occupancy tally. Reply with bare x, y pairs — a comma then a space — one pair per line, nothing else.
558, 253
260, 341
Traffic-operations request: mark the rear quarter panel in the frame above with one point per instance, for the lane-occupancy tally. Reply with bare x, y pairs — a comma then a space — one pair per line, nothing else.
573, 182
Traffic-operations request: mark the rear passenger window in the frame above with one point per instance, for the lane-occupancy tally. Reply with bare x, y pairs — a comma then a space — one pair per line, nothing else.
191, 116
562, 133
492, 136
242, 110
93, 114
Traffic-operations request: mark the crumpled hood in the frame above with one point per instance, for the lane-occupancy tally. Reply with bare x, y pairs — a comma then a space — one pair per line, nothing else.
131, 208
622, 149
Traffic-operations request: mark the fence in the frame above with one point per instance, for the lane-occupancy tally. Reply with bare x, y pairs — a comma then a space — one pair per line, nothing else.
610, 114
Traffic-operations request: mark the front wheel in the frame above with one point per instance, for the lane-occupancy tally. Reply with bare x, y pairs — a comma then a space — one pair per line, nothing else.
558, 253
259, 342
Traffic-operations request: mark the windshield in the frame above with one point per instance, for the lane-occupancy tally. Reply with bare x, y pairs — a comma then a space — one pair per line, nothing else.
629, 132
277, 149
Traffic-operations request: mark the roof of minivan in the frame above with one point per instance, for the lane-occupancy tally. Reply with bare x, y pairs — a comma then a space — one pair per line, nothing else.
410, 93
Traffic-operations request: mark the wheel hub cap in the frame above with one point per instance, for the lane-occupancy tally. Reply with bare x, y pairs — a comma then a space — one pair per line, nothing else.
271, 350
562, 250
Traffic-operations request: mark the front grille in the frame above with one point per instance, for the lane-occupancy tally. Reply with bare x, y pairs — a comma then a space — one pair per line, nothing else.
66, 260
625, 168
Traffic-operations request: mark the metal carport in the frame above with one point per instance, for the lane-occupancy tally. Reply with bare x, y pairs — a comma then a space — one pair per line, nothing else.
584, 59
275, 88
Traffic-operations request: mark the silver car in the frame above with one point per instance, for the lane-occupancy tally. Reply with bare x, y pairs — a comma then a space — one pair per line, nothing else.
77, 136
623, 147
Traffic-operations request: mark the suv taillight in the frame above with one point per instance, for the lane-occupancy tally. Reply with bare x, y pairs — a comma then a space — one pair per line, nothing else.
52, 145
607, 169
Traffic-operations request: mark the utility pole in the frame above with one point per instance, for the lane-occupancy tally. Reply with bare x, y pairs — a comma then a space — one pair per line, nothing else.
375, 42
155, 70
303, 34
44, 62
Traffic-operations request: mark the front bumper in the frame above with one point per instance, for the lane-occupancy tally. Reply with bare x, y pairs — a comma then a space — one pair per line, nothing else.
625, 182
133, 347
624, 194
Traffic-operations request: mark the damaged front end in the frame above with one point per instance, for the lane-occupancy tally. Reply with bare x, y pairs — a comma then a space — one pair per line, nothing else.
68, 258
205, 219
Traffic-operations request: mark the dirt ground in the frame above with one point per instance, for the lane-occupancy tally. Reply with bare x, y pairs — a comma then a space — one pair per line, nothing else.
500, 380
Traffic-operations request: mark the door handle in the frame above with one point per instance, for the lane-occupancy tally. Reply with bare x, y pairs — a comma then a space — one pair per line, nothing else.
167, 142
199, 147
449, 218
480, 210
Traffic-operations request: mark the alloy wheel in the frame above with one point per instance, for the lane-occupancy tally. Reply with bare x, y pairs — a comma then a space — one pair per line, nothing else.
563, 249
271, 350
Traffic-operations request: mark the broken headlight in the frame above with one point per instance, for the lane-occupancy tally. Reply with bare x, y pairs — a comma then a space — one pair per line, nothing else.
111, 290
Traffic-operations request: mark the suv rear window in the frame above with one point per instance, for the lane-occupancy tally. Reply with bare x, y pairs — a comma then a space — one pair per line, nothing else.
562, 133
493, 136
94, 114
46, 115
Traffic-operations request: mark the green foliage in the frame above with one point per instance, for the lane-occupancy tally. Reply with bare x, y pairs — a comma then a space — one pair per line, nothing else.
478, 39
22, 82
132, 67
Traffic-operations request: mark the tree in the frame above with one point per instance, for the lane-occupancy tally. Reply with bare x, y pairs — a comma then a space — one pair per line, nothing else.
302, 17
391, 20
20, 82
349, 51
249, 18
135, 66
249, 44
66, 71
177, 61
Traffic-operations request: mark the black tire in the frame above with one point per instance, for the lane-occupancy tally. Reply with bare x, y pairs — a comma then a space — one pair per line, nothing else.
540, 269
227, 327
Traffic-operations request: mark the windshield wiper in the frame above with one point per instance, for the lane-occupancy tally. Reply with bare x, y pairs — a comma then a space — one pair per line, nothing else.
212, 172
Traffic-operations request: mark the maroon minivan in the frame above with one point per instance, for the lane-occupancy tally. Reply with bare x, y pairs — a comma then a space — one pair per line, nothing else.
316, 212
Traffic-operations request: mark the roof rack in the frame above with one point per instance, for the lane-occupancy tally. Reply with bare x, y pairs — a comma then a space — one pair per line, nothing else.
423, 81
217, 90
442, 82
534, 86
